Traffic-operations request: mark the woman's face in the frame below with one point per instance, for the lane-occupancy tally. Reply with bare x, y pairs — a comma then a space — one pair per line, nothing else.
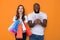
20, 10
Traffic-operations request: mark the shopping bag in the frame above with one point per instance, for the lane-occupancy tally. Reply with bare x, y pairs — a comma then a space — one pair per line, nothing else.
28, 32
23, 27
14, 26
19, 31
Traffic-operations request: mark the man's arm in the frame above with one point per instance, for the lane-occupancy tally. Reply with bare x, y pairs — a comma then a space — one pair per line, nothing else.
37, 21
30, 23
44, 23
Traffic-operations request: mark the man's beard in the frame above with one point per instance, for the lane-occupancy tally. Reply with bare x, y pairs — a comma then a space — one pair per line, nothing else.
36, 11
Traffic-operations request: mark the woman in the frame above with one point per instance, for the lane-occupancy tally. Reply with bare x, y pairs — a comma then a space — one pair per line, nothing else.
20, 27
20, 15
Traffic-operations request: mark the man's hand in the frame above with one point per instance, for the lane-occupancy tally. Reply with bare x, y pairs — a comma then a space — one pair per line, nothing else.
37, 21
30, 23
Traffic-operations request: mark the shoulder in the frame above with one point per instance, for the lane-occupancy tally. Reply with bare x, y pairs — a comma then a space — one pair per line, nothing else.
25, 16
26, 19
31, 14
14, 17
43, 13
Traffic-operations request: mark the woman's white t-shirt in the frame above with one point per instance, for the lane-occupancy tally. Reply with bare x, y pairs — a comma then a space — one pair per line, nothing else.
23, 26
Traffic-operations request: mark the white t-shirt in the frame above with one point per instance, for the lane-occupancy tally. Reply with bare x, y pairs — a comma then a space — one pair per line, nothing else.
26, 20
37, 29
23, 26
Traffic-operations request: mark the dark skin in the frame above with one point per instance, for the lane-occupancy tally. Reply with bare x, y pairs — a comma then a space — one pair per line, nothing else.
37, 21
44, 23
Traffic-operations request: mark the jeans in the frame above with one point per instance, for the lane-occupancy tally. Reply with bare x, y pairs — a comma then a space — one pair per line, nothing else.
36, 37
24, 37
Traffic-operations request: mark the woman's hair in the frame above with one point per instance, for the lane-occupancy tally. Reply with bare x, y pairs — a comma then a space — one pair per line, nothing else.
23, 14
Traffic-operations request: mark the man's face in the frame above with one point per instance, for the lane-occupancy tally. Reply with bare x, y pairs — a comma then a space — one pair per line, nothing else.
36, 8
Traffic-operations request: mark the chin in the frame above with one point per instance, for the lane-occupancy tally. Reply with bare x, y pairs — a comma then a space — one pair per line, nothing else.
36, 12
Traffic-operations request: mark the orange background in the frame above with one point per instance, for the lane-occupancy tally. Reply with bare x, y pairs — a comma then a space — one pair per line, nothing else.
8, 10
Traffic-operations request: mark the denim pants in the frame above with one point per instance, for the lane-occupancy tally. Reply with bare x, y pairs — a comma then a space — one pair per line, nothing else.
36, 37
24, 37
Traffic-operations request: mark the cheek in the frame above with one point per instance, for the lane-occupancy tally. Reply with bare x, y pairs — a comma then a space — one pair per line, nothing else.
20, 10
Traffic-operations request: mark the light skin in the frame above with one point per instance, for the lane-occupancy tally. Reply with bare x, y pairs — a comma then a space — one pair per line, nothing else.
20, 11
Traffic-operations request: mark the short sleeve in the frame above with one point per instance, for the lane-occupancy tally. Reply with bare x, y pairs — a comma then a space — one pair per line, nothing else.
26, 19
30, 17
44, 16
14, 18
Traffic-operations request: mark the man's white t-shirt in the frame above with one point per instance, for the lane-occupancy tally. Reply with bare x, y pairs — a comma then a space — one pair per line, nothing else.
37, 29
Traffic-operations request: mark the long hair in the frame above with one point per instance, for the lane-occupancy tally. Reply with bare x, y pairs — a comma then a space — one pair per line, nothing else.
23, 14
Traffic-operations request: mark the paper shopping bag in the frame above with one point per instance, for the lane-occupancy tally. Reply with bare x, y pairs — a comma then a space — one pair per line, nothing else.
19, 31
28, 32
14, 26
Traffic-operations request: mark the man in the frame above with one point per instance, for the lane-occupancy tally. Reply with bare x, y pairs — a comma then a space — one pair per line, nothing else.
37, 21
